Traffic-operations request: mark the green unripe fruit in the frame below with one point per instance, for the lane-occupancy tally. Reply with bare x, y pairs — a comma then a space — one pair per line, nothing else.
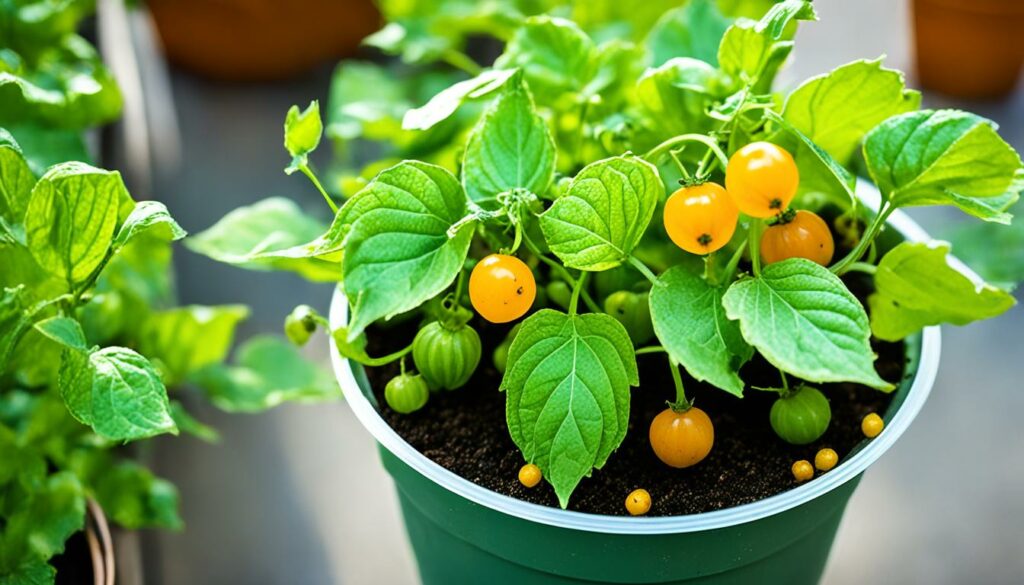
623, 277
406, 393
500, 355
446, 357
300, 324
802, 417
559, 293
634, 312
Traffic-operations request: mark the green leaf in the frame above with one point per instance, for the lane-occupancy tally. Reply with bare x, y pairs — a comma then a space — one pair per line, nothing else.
444, 104
117, 392
16, 182
65, 331
44, 147
915, 286
690, 322
134, 498
837, 109
38, 530
992, 250
148, 216
692, 30
676, 96
364, 96
943, 157
510, 148
398, 252
775, 21
819, 172
269, 371
273, 234
567, 401
555, 55
68, 87
185, 339
71, 218
302, 131
188, 424
31, 573
13, 321
804, 321
605, 212
743, 49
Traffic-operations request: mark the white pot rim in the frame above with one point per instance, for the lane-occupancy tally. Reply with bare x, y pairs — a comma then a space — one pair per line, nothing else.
927, 368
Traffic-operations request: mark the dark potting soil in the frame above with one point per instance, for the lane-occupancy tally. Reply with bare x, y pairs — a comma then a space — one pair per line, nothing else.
465, 431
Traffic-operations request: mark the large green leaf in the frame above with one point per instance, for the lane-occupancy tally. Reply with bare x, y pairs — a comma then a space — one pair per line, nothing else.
116, 391
16, 182
71, 218
269, 371
510, 148
915, 286
443, 105
837, 109
567, 385
184, 339
555, 55
756, 49
68, 87
676, 96
692, 30
819, 172
603, 215
804, 321
398, 252
944, 157
38, 530
272, 234
690, 322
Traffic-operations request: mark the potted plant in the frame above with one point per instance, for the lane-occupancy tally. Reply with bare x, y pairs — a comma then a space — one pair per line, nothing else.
636, 320
90, 337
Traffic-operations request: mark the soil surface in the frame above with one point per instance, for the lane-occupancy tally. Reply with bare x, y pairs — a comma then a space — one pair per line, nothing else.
464, 431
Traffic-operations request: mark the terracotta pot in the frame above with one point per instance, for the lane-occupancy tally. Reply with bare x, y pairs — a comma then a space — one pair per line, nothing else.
249, 40
969, 48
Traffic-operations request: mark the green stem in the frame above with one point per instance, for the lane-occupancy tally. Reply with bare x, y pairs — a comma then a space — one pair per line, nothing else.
655, 154
76, 296
861, 267
460, 60
734, 261
309, 173
681, 404
754, 241
561, 271
650, 349
640, 266
458, 286
785, 381
865, 242
709, 269
384, 360
576, 289
682, 168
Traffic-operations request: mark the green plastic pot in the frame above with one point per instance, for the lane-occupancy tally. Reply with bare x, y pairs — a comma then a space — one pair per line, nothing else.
463, 533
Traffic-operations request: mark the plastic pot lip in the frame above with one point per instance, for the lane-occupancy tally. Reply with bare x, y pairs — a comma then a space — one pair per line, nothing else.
846, 471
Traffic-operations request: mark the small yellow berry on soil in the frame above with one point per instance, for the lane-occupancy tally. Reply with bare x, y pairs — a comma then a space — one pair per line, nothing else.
826, 459
872, 425
529, 475
638, 502
802, 470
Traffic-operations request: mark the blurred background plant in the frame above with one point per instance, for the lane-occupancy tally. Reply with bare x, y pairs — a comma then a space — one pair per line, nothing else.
84, 267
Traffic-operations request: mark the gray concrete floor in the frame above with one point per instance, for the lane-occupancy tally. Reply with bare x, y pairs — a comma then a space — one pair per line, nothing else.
297, 495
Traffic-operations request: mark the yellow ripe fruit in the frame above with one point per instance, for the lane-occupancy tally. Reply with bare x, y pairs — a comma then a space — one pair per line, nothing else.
802, 470
872, 425
826, 459
530, 475
638, 502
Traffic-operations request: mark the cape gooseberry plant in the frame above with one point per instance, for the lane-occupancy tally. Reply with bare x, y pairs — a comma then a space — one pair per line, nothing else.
90, 337
643, 191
